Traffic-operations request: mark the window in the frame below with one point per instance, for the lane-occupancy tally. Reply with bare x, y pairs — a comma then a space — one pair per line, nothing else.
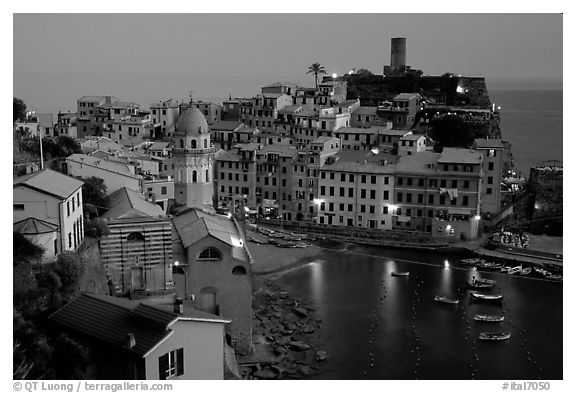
443, 183
386, 179
372, 194
135, 237
400, 181
373, 179
409, 181
363, 179
490, 166
239, 271
18, 206
385, 210
68, 208
171, 364
454, 183
164, 190
466, 183
386, 195
362, 193
488, 191
420, 198
408, 197
210, 253
399, 197
351, 178
465, 200
490, 180
491, 153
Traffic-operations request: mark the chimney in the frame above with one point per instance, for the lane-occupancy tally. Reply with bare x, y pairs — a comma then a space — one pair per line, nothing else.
130, 341
178, 306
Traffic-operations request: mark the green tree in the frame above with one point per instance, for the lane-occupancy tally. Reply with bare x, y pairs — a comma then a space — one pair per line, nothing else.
316, 69
93, 195
96, 227
69, 268
451, 131
19, 109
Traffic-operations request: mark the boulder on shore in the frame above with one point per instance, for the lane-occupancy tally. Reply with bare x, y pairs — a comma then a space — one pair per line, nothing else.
301, 312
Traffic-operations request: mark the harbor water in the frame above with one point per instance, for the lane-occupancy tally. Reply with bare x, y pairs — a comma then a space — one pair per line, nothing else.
377, 326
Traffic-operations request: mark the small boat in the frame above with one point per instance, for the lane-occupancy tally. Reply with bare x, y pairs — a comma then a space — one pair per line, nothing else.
265, 231
479, 285
301, 245
472, 261
444, 299
276, 235
525, 272
485, 281
542, 272
555, 277
488, 318
494, 336
505, 269
258, 240
400, 274
515, 270
490, 298
285, 244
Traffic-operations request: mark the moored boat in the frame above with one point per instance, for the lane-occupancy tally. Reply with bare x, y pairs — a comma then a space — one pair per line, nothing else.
301, 245
515, 270
488, 318
525, 272
400, 274
495, 336
479, 285
444, 299
555, 277
490, 298
542, 272
485, 281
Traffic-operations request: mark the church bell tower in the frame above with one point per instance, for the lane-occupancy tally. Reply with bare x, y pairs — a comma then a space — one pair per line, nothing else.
193, 160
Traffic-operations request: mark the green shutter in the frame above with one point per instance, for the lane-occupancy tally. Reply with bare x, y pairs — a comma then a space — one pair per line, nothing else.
180, 361
162, 366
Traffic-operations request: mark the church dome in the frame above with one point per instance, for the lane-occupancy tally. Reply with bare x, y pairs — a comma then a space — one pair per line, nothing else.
192, 121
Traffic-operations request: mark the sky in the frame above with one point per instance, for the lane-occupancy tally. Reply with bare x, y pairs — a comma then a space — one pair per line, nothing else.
491, 45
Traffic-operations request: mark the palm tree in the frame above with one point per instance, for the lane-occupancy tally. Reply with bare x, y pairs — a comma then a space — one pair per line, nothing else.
316, 69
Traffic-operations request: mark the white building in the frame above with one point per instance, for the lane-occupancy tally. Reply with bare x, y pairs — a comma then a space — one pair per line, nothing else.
55, 198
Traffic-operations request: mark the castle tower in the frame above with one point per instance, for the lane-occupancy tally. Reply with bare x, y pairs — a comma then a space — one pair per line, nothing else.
193, 160
398, 55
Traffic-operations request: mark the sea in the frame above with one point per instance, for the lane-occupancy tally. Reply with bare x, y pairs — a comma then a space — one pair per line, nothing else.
376, 326
531, 109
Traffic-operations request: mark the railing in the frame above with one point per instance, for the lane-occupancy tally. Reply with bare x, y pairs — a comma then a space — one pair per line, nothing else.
375, 236
210, 149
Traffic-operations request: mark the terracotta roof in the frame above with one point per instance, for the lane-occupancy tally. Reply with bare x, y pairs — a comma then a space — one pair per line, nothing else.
365, 110
194, 225
420, 163
406, 96
228, 156
34, 226
110, 319
159, 146
127, 203
107, 165
362, 162
460, 156
410, 136
488, 143
225, 125
50, 182
358, 130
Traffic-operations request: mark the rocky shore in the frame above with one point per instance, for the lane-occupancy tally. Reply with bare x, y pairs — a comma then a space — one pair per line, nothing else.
286, 335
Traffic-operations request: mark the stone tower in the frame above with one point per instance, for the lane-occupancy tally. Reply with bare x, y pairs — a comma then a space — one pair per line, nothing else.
193, 160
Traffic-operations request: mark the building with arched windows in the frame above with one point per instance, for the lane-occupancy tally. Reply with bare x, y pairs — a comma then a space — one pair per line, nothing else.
193, 159
213, 269
137, 253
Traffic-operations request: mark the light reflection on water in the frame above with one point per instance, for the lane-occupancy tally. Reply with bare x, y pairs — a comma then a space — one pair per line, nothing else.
346, 289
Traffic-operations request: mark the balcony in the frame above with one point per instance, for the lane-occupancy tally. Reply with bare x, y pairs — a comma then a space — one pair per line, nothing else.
179, 150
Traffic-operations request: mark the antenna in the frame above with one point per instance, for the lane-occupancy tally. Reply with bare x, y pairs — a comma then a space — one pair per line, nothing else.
190, 92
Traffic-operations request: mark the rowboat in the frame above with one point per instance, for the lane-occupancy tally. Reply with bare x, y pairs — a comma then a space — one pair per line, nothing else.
542, 272
479, 285
555, 277
515, 270
301, 245
488, 318
525, 272
400, 274
443, 299
494, 336
491, 298
485, 281
472, 261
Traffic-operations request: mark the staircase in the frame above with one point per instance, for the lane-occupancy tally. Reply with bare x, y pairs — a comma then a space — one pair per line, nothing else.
138, 293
